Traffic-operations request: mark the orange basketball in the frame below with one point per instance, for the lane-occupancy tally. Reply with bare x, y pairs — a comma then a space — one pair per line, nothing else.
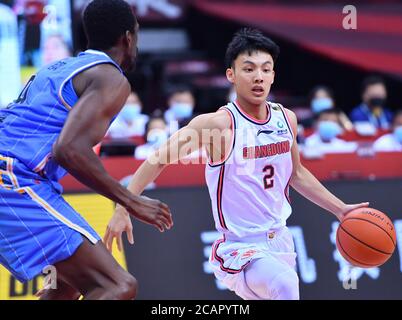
366, 237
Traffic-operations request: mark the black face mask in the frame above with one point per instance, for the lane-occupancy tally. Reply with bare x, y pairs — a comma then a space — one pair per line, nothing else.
376, 102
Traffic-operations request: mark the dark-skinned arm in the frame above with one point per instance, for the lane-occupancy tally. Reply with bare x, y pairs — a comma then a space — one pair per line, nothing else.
103, 93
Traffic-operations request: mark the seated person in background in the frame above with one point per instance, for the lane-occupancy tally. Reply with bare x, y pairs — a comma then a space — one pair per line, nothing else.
391, 142
324, 139
55, 48
322, 98
130, 122
181, 104
156, 133
372, 109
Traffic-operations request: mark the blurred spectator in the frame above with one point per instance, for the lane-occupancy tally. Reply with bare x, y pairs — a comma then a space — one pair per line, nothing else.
181, 104
372, 109
321, 99
393, 141
156, 133
54, 49
130, 122
324, 139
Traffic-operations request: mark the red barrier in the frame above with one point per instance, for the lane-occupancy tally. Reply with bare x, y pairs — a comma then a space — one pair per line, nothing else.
332, 167
353, 135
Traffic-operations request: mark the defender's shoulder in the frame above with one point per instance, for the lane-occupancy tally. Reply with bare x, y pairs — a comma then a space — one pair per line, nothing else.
103, 76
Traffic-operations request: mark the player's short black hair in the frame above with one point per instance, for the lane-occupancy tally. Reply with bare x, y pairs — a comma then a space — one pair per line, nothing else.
249, 40
105, 21
371, 80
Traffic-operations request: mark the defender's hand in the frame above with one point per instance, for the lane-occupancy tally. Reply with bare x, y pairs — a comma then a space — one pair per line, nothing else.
150, 211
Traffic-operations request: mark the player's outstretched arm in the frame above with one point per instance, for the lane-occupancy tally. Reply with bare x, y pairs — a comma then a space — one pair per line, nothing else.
200, 132
103, 91
304, 182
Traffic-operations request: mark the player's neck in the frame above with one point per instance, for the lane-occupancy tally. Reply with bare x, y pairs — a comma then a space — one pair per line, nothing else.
114, 54
259, 111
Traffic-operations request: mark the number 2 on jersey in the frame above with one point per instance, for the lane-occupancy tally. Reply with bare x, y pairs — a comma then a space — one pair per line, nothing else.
268, 181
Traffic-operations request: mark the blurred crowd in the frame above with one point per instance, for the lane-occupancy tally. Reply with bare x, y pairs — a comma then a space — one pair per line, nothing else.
324, 127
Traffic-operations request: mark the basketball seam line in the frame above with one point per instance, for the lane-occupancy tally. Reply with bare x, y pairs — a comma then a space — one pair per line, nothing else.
380, 251
375, 225
365, 264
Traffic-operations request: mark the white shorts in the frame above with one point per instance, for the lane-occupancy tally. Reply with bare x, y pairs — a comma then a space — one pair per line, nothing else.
231, 256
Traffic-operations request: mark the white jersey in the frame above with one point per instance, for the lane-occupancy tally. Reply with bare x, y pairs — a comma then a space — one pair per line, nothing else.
249, 189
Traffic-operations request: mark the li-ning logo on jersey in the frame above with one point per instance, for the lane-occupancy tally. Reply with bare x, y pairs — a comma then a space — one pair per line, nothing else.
264, 131
267, 150
279, 132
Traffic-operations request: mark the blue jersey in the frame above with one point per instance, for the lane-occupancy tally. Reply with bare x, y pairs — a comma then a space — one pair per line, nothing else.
31, 124
38, 227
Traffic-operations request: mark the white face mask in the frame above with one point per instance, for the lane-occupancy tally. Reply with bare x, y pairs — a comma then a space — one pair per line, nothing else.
328, 130
182, 110
130, 111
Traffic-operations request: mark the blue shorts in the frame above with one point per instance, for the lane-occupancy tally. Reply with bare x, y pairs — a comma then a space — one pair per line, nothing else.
38, 227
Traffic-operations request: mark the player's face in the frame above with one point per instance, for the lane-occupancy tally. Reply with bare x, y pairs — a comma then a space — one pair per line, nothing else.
252, 76
131, 51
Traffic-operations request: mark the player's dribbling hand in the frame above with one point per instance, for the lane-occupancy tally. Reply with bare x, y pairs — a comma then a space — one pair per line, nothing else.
119, 223
147, 210
349, 207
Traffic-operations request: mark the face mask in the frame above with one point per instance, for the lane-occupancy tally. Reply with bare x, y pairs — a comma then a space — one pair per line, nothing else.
130, 112
182, 110
321, 104
157, 137
398, 134
376, 102
328, 130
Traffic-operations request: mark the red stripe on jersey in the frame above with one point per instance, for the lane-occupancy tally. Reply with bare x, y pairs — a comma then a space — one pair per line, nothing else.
219, 197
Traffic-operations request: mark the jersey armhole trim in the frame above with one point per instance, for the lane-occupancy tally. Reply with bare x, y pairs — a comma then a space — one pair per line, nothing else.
72, 75
233, 140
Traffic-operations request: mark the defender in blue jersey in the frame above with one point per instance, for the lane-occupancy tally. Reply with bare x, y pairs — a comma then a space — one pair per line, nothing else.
49, 130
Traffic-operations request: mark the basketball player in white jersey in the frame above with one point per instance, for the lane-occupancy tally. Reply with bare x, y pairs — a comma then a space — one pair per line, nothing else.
253, 158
